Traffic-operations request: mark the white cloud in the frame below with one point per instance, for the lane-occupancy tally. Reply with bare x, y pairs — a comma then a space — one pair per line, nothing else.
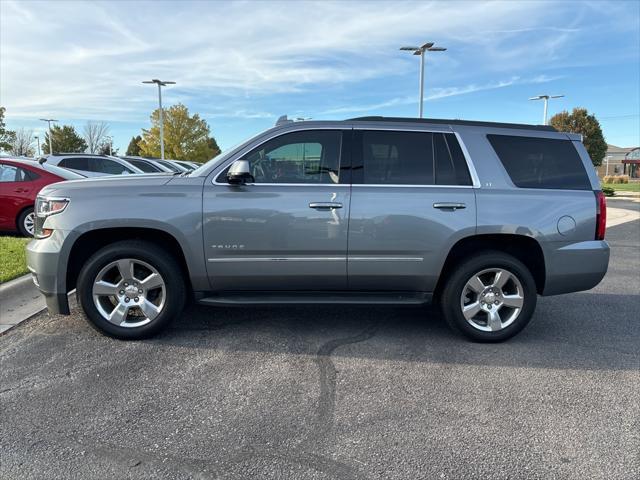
85, 60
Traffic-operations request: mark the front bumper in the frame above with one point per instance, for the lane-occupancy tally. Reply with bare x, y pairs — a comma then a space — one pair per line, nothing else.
47, 262
575, 267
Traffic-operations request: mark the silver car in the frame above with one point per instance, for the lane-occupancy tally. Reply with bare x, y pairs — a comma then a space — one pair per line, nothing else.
480, 217
92, 165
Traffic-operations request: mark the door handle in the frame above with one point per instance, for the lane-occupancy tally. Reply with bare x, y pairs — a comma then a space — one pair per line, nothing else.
21, 190
325, 205
449, 205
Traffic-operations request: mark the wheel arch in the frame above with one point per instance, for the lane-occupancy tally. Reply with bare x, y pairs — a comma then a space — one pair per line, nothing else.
524, 248
91, 241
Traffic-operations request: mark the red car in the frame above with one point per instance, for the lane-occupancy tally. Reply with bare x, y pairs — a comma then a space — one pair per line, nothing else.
20, 182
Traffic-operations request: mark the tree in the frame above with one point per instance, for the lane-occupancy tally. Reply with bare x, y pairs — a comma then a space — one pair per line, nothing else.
580, 121
107, 149
213, 145
185, 137
65, 139
95, 135
133, 149
22, 143
6, 136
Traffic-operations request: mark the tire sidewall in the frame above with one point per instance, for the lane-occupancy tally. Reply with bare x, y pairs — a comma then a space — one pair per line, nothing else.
20, 222
161, 260
453, 291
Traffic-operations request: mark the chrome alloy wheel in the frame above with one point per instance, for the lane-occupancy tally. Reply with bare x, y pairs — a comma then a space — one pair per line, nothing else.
129, 292
29, 223
492, 299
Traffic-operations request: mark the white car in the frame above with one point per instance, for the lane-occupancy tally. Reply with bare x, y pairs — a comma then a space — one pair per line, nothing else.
92, 165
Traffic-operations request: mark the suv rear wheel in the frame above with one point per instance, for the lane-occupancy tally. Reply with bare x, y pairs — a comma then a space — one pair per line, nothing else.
490, 297
131, 289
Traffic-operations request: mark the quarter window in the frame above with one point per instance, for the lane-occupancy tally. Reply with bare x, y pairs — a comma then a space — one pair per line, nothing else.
9, 173
311, 156
534, 162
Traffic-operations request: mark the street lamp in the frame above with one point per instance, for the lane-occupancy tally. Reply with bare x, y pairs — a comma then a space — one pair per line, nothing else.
160, 84
546, 102
49, 120
427, 47
38, 140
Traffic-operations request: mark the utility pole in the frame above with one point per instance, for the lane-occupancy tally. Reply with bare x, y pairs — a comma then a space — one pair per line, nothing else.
427, 47
546, 103
160, 84
49, 120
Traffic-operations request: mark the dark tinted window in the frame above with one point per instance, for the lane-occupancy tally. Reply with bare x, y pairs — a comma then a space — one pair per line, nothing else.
451, 166
541, 162
312, 156
401, 158
104, 165
77, 163
144, 166
412, 158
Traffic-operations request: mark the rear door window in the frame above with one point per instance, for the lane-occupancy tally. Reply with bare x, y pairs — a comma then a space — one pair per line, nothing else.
546, 163
76, 163
410, 158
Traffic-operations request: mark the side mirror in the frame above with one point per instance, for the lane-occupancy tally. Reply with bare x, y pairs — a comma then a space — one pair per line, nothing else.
239, 173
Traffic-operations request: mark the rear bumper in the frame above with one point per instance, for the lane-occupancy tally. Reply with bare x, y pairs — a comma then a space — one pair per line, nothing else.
575, 267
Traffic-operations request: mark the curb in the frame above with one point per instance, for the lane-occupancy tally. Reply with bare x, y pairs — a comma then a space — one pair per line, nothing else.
20, 300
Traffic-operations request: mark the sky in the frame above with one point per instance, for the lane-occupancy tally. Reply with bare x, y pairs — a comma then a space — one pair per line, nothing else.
240, 65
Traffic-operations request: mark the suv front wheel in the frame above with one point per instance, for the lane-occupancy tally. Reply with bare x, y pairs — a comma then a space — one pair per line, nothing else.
490, 297
131, 289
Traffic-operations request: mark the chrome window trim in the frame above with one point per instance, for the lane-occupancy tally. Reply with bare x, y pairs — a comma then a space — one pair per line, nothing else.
286, 185
475, 180
409, 185
271, 137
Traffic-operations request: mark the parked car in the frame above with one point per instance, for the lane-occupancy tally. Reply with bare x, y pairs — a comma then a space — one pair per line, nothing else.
481, 217
92, 165
172, 165
187, 165
20, 182
148, 165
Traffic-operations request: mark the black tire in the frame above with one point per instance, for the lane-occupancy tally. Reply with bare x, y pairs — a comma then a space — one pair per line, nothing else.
159, 259
450, 299
20, 222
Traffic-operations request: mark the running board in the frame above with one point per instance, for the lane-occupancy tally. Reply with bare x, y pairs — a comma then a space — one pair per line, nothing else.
279, 298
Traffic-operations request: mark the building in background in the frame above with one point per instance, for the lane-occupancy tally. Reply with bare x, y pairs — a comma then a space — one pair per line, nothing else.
621, 161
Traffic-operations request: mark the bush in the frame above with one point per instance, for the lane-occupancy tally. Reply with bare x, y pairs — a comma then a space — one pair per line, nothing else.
615, 179
608, 191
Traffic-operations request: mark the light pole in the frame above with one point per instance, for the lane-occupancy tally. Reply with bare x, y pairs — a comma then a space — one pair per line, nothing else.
38, 140
607, 160
160, 84
546, 102
427, 47
49, 120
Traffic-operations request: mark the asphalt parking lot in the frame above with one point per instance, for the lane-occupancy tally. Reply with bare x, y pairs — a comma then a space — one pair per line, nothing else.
333, 392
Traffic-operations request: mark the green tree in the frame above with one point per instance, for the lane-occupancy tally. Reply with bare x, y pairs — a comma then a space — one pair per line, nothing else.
581, 121
6, 136
65, 140
134, 146
185, 137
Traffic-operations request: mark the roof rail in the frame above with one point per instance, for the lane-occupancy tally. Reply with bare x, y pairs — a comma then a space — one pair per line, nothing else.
441, 121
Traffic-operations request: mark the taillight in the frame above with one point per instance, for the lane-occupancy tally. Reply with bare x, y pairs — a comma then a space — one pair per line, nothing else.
601, 215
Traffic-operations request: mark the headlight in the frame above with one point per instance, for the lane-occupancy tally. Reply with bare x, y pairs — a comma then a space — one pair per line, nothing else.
50, 206
45, 207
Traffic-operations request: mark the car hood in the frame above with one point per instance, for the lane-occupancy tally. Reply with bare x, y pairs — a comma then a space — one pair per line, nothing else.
116, 183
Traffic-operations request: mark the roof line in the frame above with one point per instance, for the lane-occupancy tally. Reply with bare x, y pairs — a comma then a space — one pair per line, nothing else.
441, 121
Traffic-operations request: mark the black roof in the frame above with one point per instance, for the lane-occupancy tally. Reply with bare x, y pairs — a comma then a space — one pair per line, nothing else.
441, 121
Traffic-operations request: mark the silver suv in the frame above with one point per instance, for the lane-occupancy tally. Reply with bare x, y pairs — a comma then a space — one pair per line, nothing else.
480, 217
